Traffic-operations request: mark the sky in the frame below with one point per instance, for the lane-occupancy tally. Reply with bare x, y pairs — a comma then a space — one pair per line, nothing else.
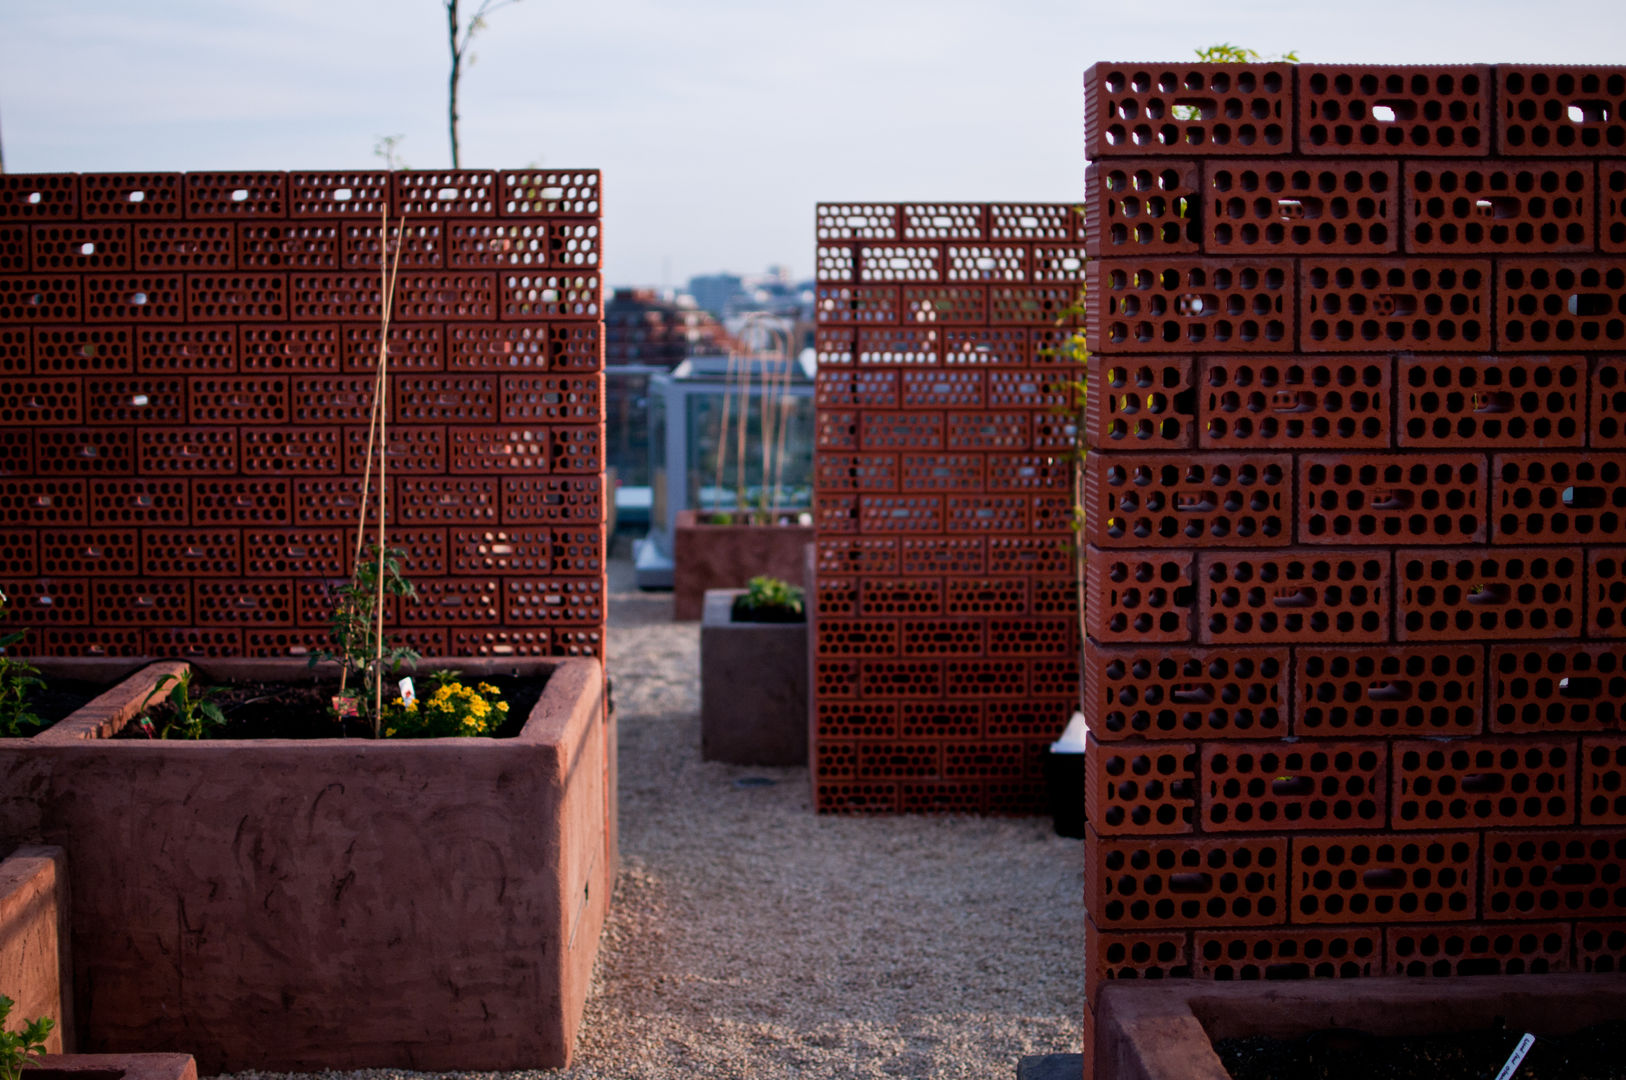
718, 124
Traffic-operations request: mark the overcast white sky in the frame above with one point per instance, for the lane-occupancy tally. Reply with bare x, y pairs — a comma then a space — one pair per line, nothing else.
718, 123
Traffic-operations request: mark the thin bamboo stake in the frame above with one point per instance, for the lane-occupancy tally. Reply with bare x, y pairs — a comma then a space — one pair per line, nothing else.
722, 430
745, 420
383, 415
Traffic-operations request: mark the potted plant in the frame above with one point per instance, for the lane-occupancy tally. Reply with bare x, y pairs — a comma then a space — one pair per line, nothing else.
753, 675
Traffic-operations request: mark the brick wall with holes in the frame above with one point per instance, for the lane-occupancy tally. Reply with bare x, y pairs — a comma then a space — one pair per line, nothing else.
1356, 646
945, 613
186, 377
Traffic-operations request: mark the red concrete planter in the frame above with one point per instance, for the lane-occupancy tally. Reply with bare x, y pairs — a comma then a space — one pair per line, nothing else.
1165, 1030
728, 556
34, 940
114, 1067
298, 904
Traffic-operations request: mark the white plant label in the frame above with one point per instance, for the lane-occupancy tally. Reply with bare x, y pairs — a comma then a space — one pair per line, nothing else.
1513, 1061
408, 694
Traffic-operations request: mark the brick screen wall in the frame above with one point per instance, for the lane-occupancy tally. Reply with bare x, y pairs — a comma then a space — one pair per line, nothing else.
945, 630
1356, 652
185, 384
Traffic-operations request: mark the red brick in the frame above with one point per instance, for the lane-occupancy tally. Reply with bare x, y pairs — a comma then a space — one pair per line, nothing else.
1143, 500
1316, 953
1160, 305
1384, 690
1293, 596
1170, 693
1141, 789
1290, 787
1180, 110
1570, 687
1535, 104
1300, 206
1541, 873
1411, 111
1352, 304
1488, 594
1445, 951
1502, 401
1518, 207
1385, 878
1484, 782
1386, 499
1133, 882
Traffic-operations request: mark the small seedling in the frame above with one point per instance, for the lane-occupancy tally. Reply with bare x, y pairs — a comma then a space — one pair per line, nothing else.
193, 714
768, 599
18, 1048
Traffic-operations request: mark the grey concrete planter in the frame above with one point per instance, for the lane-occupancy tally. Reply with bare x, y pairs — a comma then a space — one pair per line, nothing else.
753, 687
289, 904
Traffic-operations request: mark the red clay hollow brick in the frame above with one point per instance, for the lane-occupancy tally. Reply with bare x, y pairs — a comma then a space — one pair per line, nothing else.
1287, 787
1385, 690
1530, 402
1147, 692
1135, 882
1484, 782
1602, 791
1406, 111
1138, 954
1358, 305
1159, 110
1446, 951
1560, 110
1294, 596
1573, 687
1381, 499
1139, 596
1563, 305
1385, 878
1535, 874
1148, 402
1162, 305
1141, 788
1286, 208
1172, 500
1606, 593
1315, 953
1518, 207
1558, 498
1502, 593
1322, 403
1142, 206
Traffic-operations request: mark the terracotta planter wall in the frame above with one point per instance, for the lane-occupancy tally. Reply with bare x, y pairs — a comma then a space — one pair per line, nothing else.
34, 964
728, 556
186, 364
945, 634
308, 904
1354, 656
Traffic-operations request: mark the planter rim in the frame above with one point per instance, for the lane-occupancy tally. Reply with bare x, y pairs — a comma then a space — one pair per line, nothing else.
95, 723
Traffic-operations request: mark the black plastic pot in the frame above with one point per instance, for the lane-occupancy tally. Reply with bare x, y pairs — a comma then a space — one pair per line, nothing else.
1064, 779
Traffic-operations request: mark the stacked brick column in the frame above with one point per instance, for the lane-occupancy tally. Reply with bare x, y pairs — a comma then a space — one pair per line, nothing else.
1356, 638
185, 385
945, 615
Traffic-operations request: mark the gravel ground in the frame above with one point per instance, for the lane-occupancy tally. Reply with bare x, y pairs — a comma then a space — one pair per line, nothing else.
752, 938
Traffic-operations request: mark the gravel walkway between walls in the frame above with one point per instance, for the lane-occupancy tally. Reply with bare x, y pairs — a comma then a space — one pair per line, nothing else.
752, 938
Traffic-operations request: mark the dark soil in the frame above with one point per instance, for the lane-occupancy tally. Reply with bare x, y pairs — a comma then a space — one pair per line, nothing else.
1596, 1053
743, 612
300, 710
59, 697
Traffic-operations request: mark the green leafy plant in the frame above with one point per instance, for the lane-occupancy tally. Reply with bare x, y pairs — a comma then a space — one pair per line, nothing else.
768, 599
193, 714
1226, 53
453, 708
17, 681
354, 629
18, 1048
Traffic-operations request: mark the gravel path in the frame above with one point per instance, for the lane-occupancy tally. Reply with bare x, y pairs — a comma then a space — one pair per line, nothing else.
751, 938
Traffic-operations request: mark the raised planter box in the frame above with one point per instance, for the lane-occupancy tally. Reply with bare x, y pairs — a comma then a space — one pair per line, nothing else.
753, 687
114, 1067
305, 904
728, 556
34, 940
1167, 1030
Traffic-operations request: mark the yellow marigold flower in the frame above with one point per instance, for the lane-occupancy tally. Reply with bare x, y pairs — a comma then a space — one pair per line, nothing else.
502, 706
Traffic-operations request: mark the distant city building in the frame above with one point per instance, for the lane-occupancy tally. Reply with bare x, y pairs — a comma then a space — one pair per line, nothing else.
715, 292
642, 327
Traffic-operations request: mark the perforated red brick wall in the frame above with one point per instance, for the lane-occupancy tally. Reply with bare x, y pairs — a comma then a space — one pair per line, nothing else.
1355, 498
946, 644
185, 384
